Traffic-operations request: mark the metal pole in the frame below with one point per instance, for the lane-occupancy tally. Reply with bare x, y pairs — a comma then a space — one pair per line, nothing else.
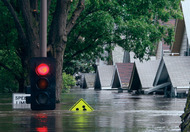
43, 28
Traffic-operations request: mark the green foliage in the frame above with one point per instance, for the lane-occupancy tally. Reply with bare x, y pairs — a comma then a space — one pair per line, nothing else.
135, 25
9, 74
10, 63
7, 82
68, 82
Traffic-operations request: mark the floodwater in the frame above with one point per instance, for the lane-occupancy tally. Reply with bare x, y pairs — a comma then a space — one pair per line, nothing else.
113, 112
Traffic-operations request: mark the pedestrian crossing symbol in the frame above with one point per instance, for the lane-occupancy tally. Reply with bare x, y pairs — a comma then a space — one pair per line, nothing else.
81, 105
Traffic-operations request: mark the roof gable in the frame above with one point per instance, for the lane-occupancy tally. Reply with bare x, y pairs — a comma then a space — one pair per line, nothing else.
143, 74
175, 69
134, 83
147, 72
116, 81
178, 68
161, 74
97, 84
88, 80
104, 76
122, 75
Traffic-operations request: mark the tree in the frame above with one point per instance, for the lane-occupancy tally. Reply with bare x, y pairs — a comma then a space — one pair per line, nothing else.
12, 75
63, 21
133, 24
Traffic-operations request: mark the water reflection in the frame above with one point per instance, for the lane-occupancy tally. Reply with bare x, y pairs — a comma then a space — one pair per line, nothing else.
42, 123
81, 121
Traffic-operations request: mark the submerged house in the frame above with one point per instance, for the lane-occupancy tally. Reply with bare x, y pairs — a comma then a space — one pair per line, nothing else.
88, 80
143, 75
103, 78
172, 76
122, 75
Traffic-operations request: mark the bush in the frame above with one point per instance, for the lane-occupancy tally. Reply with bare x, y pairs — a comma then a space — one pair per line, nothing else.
68, 82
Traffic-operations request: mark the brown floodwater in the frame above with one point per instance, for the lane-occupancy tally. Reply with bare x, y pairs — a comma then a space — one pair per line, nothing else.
113, 112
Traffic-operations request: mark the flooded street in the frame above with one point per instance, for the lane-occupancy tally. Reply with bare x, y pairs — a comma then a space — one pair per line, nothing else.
113, 112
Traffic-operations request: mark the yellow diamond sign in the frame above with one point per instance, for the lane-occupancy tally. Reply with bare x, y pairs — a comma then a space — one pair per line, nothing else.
81, 105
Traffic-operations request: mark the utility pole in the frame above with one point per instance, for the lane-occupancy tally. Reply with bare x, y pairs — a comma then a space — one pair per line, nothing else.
43, 28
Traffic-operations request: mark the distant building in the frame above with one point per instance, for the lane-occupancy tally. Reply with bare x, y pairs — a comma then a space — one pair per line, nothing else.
182, 33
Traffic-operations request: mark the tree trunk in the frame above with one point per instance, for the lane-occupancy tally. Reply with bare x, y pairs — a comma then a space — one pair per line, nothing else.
59, 30
58, 39
21, 85
59, 70
185, 117
32, 27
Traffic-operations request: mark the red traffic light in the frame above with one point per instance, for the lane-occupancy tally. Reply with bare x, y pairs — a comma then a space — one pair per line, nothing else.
43, 82
42, 69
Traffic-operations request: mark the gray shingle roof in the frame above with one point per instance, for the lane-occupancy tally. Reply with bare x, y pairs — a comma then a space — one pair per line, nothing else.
89, 78
178, 68
104, 75
147, 72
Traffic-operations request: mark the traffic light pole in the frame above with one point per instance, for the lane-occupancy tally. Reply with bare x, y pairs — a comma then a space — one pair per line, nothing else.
43, 28
42, 71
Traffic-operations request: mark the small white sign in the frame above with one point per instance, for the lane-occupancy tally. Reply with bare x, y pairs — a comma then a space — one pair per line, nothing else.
19, 101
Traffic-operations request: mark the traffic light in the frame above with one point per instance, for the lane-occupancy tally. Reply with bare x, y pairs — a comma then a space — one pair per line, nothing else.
42, 80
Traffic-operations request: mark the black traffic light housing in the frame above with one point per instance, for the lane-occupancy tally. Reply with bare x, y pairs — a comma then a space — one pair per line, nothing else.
43, 82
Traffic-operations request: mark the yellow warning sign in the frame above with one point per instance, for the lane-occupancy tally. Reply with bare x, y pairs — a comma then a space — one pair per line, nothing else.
81, 105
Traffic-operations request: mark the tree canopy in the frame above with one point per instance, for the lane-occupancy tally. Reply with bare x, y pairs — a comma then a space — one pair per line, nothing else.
79, 31
135, 25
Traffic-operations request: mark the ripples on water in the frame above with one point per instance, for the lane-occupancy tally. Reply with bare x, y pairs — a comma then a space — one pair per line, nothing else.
113, 112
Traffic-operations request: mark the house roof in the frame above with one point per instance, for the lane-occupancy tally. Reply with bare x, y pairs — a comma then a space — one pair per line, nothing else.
147, 72
143, 74
104, 76
175, 69
90, 77
88, 80
124, 71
